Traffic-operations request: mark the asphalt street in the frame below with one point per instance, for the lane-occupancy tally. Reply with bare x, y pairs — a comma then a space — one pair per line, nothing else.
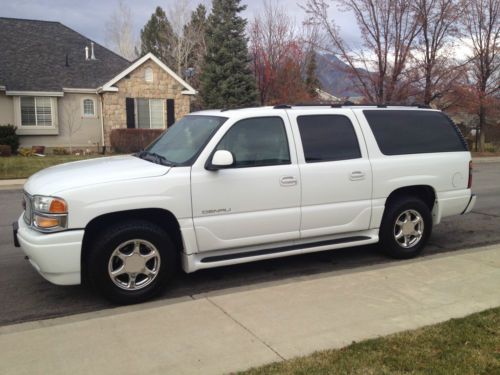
26, 296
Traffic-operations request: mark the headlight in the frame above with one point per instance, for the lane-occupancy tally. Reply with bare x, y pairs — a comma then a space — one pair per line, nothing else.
49, 205
50, 214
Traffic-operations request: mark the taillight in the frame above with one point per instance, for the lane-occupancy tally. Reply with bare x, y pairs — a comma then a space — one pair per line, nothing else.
469, 184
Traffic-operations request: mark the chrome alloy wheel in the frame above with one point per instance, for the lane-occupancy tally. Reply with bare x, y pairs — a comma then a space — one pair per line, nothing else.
409, 228
134, 264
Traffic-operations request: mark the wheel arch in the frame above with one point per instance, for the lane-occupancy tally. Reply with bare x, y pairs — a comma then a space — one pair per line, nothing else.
161, 217
425, 192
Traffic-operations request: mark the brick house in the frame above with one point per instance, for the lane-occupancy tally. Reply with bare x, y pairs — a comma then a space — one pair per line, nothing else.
58, 87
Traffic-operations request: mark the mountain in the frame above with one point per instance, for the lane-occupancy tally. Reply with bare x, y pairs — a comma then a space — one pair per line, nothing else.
332, 73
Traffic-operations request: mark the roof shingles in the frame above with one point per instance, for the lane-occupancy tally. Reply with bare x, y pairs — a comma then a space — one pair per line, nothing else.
33, 57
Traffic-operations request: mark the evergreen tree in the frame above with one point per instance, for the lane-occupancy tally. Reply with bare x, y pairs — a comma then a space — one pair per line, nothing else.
158, 37
312, 81
226, 79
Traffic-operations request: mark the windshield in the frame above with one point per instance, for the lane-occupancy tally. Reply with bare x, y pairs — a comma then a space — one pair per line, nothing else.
183, 141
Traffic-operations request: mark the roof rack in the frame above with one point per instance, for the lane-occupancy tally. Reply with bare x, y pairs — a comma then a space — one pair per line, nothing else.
236, 108
349, 104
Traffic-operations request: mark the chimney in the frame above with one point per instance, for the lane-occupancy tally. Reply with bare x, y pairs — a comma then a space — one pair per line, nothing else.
92, 56
86, 53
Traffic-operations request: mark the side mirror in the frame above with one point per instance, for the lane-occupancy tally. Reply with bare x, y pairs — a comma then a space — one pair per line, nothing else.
221, 159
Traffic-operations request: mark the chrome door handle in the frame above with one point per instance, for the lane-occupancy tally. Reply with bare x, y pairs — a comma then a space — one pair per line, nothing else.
357, 175
288, 181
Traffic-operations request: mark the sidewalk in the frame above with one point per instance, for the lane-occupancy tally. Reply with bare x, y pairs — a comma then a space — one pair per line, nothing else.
236, 329
12, 184
486, 159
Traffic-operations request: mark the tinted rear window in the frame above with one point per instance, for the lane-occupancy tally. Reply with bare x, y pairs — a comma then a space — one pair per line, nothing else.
414, 132
328, 138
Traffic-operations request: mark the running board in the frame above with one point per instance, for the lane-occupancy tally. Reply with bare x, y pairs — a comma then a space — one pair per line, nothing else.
248, 254
197, 261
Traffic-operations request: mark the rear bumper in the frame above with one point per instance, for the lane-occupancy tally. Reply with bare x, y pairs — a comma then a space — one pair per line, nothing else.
56, 256
470, 205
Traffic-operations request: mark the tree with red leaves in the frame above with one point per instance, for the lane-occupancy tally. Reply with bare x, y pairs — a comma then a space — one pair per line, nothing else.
278, 57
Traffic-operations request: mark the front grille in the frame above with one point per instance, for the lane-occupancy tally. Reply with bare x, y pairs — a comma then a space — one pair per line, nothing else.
27, 211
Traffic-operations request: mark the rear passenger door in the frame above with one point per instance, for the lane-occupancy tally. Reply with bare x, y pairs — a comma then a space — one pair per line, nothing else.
335, 172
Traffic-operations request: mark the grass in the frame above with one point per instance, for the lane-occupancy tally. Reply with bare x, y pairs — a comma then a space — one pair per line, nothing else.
470, 345
23, 167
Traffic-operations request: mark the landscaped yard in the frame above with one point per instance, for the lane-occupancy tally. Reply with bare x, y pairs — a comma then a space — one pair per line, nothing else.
23, 167
459, 346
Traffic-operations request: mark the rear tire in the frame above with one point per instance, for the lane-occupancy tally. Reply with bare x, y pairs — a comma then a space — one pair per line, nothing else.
131, 262
406, 227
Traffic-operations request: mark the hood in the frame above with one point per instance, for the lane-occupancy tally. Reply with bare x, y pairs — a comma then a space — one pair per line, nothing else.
91, 172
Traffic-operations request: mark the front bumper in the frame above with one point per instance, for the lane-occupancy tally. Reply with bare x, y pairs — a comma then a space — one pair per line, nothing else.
56, 256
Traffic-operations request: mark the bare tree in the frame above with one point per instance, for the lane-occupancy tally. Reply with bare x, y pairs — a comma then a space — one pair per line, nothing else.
119, 32
389, 29
439, 20
188, 35
482, 23
195, 30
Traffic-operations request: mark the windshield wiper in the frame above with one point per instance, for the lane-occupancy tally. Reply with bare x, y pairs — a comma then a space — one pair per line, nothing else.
154, 157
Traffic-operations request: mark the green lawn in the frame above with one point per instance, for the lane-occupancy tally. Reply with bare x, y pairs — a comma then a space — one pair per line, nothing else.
23, 167
459, 346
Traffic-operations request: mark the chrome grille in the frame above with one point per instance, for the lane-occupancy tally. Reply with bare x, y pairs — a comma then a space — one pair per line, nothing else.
27, 210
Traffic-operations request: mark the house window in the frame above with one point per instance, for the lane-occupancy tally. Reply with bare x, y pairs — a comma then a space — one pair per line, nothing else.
148, 75
36, 111
88, 108
150, 114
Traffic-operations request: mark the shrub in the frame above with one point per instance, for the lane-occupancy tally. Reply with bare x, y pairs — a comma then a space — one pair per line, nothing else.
60, 151
5, 150
132, 140
26, 151
9, 137
490, 147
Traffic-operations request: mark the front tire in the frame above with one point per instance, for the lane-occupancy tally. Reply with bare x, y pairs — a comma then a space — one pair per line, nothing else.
406, 227
131, 261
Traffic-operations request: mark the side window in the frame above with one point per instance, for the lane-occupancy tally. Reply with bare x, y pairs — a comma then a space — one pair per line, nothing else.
328, 138
88, 108
257, 142
401, 132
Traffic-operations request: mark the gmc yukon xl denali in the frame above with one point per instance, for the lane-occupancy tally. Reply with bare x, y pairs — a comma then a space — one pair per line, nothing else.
225, 187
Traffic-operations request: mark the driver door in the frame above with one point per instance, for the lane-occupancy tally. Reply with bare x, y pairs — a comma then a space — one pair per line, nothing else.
256, 200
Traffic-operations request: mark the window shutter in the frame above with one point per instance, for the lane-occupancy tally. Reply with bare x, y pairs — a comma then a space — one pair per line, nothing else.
129, 107
170, 112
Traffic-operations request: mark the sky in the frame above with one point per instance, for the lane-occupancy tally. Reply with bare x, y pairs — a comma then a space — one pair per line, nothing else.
89, 17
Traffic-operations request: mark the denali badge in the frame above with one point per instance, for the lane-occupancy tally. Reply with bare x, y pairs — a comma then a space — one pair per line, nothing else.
216, 211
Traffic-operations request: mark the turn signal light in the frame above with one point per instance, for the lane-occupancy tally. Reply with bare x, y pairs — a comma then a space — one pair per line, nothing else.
46, 222
58, 206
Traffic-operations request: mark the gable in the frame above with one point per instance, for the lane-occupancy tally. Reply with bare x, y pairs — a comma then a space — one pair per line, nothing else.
137, 70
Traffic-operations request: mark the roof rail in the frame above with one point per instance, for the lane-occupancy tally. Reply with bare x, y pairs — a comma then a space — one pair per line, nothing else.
349, 104
236, 108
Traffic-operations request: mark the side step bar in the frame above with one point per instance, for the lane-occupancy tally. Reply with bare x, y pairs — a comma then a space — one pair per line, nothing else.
219, 258
247, 254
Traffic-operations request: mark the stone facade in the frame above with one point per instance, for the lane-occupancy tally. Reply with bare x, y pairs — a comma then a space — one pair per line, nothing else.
163, 86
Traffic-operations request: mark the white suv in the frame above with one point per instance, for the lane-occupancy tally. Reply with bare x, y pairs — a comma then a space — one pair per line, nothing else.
225, 187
